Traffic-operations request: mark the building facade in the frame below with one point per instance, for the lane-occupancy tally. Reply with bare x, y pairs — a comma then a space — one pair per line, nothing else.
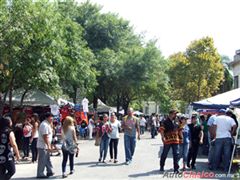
150, 107
235, 66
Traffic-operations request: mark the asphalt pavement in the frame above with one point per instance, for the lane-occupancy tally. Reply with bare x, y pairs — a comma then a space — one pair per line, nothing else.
145, 164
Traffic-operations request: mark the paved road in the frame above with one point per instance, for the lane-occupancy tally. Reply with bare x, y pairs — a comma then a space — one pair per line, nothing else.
145, 164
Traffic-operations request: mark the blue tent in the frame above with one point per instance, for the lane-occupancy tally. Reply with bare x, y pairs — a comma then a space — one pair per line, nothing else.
220, 101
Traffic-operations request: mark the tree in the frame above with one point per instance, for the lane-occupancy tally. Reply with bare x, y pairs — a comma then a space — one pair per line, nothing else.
196, 73
29, 45
227, 82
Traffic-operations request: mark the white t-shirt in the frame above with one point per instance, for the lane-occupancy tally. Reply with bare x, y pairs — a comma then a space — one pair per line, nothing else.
85, 104
211, 120
91, 123
45, 128
55, 109
224, 125
154, 121
143, 121
115, 131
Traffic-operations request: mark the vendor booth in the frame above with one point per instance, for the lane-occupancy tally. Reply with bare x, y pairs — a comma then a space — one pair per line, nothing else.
220, 101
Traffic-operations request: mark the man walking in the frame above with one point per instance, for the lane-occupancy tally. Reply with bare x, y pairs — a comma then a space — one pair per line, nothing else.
224, 128
130, 125
170, 133
44, 147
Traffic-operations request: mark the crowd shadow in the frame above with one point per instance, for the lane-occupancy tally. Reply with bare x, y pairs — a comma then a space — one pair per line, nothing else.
85, 163
147, 174
99, 164
34, 178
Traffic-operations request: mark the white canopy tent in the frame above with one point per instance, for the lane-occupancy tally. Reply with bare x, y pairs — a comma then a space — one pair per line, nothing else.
32, 98
219, 101
101, 107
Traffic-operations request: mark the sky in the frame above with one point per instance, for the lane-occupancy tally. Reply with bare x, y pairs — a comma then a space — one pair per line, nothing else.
175, 23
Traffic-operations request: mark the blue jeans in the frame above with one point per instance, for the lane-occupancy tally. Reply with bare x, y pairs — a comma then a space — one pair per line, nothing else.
184, 148
26, 142
66, 154
153, 131
142, 128
223, 146
104, 146
129, 145
175, 151
34, 149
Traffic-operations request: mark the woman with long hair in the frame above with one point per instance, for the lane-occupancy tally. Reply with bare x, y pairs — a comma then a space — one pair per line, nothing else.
114, 135
7, 142
27, 134
105, 138
69, 144
35, 124
186, 139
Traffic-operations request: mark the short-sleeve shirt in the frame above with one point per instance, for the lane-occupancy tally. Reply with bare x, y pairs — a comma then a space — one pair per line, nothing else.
69, 134
132, 124
171, 131
224, 125
45, 128
211, 120
5, 148
195, 133
115, 129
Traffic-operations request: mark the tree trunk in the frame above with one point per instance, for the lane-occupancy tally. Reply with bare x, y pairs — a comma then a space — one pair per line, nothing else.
74, 95
2, 103
199, 89
22, 98
118, 103
10, 94
95, 101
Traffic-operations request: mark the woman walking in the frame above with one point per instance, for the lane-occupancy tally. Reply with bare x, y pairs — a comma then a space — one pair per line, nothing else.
69, 144
27, 134
196, 131
34, 138
184, 146
114, 136
105, 138
7, 142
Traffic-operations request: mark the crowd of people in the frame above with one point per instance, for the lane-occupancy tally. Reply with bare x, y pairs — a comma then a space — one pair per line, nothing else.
214, 134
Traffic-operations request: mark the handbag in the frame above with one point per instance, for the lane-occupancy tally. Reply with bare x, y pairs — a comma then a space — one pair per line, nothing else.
97, 141
69, 146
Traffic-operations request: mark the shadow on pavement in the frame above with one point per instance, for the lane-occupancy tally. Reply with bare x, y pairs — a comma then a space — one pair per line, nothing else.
145, 174
106, 164
33, 178
85, 163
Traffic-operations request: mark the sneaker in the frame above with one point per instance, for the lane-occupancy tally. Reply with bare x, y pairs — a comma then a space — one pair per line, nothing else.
71, 172
50, 174
64, 176
111, 160
176, 171
99, 160
193, 167
103, 161
161, 169
128, 162
115, 161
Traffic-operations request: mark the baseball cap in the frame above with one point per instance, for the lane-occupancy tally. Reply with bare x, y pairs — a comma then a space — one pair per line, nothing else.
222, 111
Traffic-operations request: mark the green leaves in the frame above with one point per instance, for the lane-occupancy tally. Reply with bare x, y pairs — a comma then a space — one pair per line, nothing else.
196, 73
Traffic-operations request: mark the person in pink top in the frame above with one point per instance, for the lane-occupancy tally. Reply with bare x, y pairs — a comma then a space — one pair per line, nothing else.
105, 138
